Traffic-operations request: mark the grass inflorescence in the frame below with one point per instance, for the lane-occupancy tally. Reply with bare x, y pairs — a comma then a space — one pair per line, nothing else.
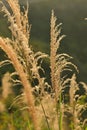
41, 106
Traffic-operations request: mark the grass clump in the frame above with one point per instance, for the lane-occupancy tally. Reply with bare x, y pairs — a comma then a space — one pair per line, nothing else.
43, 103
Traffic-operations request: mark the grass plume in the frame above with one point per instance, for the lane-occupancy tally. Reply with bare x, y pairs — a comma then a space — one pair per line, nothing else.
45, 102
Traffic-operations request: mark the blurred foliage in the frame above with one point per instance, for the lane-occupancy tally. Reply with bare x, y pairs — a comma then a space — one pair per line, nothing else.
14, 117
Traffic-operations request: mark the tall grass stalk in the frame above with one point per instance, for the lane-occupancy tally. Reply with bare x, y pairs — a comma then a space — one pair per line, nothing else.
13, 57
58, 64
54, 45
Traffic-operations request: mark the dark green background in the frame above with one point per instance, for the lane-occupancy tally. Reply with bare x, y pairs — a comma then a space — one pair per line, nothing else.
72, 14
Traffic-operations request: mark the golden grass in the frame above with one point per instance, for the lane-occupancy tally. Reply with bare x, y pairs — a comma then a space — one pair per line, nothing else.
48, 107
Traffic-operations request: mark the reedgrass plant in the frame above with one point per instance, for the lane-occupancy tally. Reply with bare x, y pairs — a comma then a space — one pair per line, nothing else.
44, 102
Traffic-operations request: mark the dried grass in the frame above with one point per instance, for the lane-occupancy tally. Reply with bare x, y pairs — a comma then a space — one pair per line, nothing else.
42, 106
